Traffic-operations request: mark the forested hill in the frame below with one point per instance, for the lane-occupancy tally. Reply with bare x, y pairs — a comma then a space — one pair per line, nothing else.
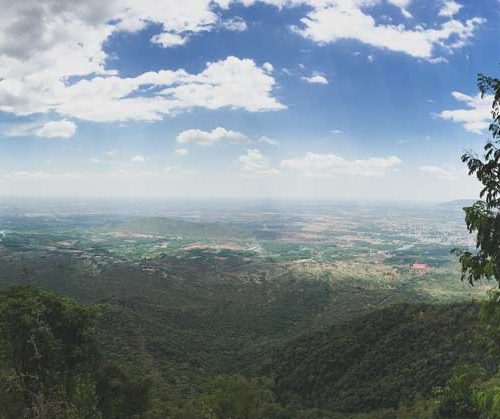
399, 362
382, 359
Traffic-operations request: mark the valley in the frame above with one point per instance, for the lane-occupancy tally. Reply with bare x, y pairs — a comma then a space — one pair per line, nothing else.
196, 293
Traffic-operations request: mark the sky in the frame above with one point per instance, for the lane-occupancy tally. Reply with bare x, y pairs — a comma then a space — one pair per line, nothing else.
284, 99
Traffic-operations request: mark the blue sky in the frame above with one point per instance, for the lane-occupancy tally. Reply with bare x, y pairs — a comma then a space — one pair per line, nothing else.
312, 99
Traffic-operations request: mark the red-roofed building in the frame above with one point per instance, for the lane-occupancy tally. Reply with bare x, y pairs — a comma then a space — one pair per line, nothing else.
419, 268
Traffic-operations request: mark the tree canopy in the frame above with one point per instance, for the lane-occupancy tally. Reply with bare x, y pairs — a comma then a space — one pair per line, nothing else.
50, 365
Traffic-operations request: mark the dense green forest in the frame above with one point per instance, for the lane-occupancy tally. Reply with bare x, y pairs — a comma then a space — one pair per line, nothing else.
404, 361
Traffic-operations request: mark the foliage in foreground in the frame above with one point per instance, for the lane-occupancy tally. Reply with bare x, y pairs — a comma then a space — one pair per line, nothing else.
473, 395
50, 366
483, 218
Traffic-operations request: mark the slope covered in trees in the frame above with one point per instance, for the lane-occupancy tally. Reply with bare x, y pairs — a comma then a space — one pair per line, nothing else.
389, 363
382, 359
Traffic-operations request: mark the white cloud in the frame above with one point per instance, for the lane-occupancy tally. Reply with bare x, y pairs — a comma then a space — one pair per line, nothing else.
442, 173
254, 163
63, 129
217, 135
167, 39
316, 79
450, 8
44, 43
67, 37
334, 20
236, 24
182, 152
336, 131
401, 3
107, 98
476, 117
331, 165
233, 83
51, 129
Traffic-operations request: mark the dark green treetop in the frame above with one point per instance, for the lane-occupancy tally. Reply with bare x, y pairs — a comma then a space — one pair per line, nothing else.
47, 350
51, 366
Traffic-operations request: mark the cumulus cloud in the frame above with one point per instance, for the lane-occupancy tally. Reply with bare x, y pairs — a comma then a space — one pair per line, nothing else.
317, 165
476, 117
334, 20
68, 37
181, 152
108, 98
316, 79
450, 8
53, 59
45, 44
331, 165
63, 129
51, 129
254, 163
217, 135
167, 39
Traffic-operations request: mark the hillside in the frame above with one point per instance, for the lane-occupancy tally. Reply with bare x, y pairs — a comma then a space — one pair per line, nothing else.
381, 359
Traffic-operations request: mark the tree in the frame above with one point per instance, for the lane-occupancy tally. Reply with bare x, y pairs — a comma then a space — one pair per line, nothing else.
483, 218
50, 365
457, 399
119, 396
469, 393
47, 345
237, 397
